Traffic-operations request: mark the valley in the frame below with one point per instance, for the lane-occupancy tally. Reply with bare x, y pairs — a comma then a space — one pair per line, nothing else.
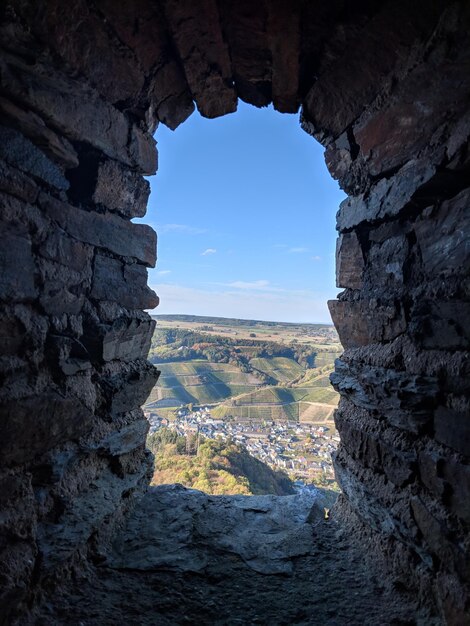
264, 385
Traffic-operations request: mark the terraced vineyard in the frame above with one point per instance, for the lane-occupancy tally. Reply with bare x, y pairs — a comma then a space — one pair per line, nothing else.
323, 359
317, 400
199, 382
255, 381
281, 368
257, 412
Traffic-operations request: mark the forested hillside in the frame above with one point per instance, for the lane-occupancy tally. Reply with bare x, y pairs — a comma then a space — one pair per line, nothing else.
174, 344
214, 466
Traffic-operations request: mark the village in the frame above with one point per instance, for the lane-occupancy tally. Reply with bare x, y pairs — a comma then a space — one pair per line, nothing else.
302, 450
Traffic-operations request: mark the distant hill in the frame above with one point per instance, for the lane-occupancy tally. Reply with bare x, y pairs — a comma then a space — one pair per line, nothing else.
230, 321
214, 466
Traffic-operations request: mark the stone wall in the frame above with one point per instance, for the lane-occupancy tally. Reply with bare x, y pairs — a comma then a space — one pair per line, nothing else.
385, 87
403, 259
73, 284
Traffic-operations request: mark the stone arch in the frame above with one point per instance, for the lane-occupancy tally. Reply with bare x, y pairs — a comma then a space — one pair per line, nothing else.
384, 86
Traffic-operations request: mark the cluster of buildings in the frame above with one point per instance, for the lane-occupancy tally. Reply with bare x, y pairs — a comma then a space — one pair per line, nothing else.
303, 450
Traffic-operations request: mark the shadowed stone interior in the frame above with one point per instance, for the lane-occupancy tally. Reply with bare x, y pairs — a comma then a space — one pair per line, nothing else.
385, 87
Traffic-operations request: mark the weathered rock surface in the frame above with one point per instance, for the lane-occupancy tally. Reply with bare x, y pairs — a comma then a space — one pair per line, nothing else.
184, 556
120, 190
174, 527
122, 283
51, 425
204, 55
21, 153
106, 230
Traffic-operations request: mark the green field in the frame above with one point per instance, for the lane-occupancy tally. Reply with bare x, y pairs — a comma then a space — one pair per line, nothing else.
280, 368
296, 411
327, 358
315, 378
285, 412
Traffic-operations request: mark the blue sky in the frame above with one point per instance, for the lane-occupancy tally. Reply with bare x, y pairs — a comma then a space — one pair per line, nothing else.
245, 212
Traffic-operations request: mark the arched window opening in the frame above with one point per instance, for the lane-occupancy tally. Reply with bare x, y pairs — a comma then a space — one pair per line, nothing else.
244, 208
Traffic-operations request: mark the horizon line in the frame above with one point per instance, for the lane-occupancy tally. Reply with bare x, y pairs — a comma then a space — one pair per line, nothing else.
244, 319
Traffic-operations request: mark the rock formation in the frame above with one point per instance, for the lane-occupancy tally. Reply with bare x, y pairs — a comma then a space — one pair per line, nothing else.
385, 86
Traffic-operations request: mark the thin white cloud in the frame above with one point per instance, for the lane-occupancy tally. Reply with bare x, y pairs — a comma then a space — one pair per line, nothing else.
256, 284
316, 258
164, 272
298, 250
180, 228
208, 251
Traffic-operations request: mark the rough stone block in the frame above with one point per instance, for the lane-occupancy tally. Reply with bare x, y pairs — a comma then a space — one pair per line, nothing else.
349, 261
14, 182
17, 505
17, 267
454, 598
430, 470
125, 339
284, 36
33, 425
457, 476
86, 514
143, 151
12, 332
370, 449
362, 322
121, 190
245, 29
141, 26
130, 387
386, 262
437, 536
72, 366
197, 35
63, 288
441, 325
452, 428
126, 439
79, 36
340, 163
359, 443
58, 300
103, 230
23, 154
33, 127
122, 283
449, 252
173, 108
17, 548
23, 215
361, 496
399, 466
73, 109
433, 531
405, 400
387, 198
67, 251
403, 126
353, 81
